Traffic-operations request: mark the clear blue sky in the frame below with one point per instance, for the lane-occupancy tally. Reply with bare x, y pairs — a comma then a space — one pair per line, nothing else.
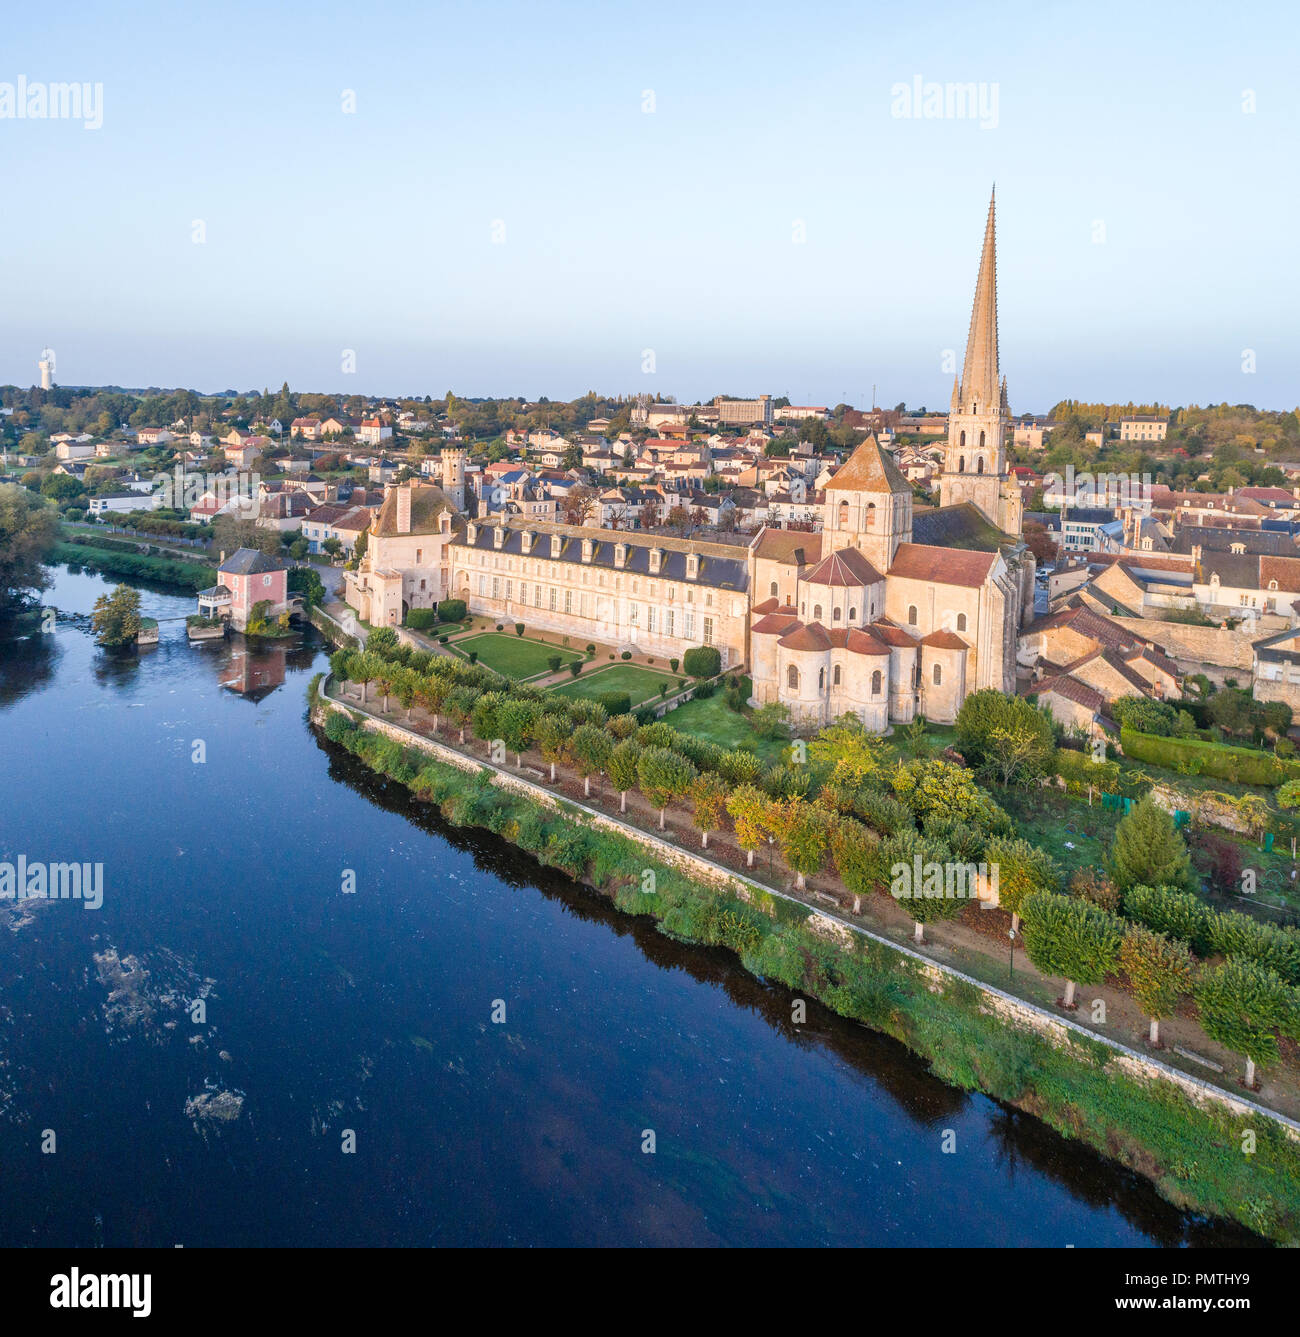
671, 230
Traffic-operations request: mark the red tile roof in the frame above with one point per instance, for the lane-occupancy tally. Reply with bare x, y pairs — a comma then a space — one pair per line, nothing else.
942, 566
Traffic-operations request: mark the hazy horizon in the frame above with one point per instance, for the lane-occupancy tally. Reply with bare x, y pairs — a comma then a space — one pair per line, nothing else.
528, 199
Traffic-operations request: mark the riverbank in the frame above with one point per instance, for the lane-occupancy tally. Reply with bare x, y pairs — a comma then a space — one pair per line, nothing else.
191, 576
1122, 1104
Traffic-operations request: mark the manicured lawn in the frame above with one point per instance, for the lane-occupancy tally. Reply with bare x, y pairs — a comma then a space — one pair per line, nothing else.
712, 719
642, 684
515, 656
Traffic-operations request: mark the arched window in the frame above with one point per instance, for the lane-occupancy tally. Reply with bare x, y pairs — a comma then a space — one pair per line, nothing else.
835, 679
961, 621
871, 515
853, 614
844, 515
821, 679
961, 441
938, 674
1272, 584
792, 678
875, 683
981, 440
774, 589
835, 613
979, 465
817, 612
911, 615
961, 462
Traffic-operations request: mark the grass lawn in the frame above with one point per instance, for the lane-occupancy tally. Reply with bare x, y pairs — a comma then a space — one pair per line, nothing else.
642, 684
515, 656
712, 719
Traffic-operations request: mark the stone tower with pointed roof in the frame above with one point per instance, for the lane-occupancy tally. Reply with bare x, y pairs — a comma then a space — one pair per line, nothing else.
868, 506
975, 465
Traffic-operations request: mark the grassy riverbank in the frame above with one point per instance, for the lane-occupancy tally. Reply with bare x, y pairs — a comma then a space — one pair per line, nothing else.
189, 576
1193, 1155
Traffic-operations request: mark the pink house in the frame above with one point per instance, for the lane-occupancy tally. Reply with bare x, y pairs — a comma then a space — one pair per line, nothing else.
248, 577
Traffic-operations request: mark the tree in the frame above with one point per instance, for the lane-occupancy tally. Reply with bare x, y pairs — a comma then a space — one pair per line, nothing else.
622, 769
918, 868
1022, 868
590, 748
517, 720
1004, 735
1241, 1003
28, 532
853, 754
662, 776
1147, 851
430, 695
747, 806
803, 832
405, 689
1068, 937
771, 721
1159, 969
116, 616
304, 580
856, 852
460, 705
708, 796
552, 738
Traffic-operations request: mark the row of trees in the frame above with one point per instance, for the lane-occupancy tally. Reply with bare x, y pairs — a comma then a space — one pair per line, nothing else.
855, 809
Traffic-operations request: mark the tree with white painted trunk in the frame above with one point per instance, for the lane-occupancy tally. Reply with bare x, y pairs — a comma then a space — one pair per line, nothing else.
1159, 971
1068, 937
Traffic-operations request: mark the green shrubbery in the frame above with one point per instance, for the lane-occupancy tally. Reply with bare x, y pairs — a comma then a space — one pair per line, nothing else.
701, 661
1191, 756
451, 610
421, 619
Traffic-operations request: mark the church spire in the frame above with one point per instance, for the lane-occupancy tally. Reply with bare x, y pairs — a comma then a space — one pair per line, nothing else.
980, 381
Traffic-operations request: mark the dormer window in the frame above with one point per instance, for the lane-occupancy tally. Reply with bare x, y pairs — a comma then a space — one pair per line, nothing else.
692, 566
587, 549
556, 544
527, 541
656, 560
472, 533
498, 536
620, 555
1272, 584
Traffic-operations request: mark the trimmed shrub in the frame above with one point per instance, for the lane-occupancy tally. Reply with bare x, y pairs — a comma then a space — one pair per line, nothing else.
575, 667
421, 619
1233, 934
627, 654
617, 703
451, 610
553, 662
1190, 756
701, 661
1178, 914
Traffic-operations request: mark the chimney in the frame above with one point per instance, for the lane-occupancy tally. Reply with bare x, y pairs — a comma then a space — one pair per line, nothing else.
403, 510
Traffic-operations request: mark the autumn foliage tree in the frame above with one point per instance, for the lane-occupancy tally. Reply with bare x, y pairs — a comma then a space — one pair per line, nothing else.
747, 807
708, 800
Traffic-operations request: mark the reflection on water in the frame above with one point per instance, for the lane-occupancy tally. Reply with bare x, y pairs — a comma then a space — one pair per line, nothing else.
371, 1010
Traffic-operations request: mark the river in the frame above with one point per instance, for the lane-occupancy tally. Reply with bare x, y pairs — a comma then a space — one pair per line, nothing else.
228, 829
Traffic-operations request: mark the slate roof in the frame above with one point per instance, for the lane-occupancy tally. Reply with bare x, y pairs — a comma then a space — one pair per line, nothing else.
720, 567
250, 562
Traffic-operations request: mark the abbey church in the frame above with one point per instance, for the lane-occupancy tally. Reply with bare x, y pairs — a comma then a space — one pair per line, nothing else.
889, 612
